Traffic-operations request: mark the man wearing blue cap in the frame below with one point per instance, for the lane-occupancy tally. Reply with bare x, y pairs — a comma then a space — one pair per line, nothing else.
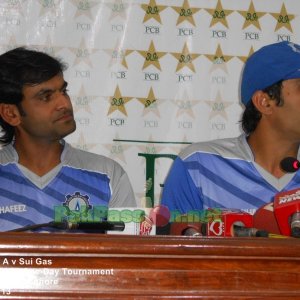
245, 172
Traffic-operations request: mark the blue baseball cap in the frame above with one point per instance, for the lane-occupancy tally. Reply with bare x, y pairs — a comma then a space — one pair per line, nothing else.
268, 65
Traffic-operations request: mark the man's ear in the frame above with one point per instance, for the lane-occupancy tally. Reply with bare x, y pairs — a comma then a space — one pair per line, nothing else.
10, 114
263, 102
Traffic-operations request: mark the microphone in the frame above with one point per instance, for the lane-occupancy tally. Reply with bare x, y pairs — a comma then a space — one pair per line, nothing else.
264, 218
81, 226
91, 226
241, 231
224, 223
287, 212
186, 228
290, 164
216, 222
238, 230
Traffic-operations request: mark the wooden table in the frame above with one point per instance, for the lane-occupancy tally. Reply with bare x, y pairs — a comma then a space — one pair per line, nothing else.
95, 266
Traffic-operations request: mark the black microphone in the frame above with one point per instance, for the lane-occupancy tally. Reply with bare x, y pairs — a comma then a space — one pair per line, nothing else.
290, 164
295, 225
241, 231
191, 231
92, 226
83, 226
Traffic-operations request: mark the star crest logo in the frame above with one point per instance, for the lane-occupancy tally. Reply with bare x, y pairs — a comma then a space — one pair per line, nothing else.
185, 106
244, 58
283, 19
117, 149
151, 147
82, 144
152, 57
82, 101
12, 7
185, 59
218, 107
118, 9
186, 13
48, 48
219, 60
83, 54
219, 15
150, 104
49, 7
118, 55
117, 102
84, 7
152, 11
251, 17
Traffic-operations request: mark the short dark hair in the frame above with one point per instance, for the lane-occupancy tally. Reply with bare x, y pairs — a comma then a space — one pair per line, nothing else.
19, 67
252, 116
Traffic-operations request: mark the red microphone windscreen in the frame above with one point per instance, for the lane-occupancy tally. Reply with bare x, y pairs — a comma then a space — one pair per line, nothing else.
286, 205
222, 222
265, 219
183, 228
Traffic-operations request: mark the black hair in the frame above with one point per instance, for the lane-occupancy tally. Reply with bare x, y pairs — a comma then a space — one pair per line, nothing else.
252, 116
19, 67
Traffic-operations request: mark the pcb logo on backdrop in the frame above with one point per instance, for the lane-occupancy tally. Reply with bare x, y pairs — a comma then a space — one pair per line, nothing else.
152, 11
283, 19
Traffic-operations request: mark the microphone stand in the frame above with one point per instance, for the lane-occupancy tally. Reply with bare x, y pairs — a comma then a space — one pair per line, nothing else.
100, 227
33, 227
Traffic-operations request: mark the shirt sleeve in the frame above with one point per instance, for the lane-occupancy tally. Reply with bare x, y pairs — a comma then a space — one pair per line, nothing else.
179, 191
122, 191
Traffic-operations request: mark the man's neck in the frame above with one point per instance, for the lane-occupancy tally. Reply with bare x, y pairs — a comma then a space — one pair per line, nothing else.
269, 149
39, 159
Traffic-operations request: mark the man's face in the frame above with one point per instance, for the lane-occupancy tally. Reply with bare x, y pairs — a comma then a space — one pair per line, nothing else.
287, 116
46, 111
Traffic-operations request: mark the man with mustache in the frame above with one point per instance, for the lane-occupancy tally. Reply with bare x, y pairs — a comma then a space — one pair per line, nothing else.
40, 174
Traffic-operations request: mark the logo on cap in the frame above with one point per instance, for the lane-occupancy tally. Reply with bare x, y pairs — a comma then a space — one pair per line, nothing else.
294, 47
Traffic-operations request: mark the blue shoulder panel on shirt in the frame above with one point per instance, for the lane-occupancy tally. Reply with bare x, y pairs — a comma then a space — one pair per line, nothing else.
179, 191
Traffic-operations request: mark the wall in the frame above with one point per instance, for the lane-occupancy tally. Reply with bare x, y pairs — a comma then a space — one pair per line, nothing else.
147, 78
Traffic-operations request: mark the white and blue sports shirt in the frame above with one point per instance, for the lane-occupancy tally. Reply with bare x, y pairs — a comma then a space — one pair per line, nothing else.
81, 179
221, 174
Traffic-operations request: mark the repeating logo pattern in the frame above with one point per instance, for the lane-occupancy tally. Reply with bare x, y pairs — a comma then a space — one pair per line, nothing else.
149, 77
